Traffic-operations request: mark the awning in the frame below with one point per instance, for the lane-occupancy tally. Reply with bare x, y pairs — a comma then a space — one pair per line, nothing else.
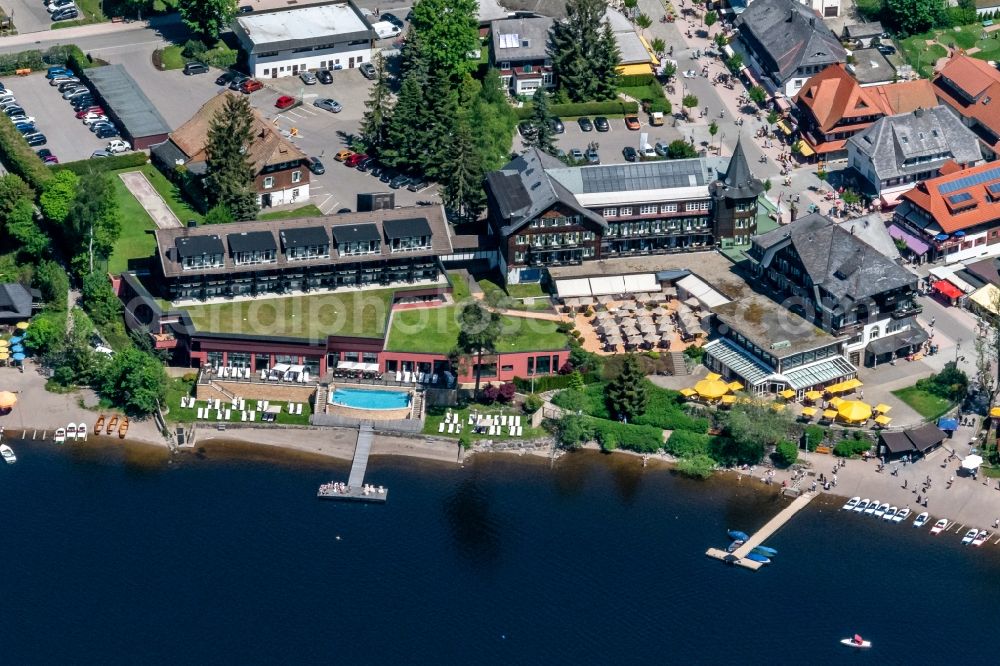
947, 289
805, 149
600, 286
783, 126
890, 199
948, 424
972, 462
915, 244
986, 297
571, 288
893, 343
706, 295
782, 103
643, 282
883, 420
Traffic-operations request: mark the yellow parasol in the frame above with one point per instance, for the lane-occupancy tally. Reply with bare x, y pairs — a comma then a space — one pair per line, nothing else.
711, 389
728, 399
4, 343
4, 355
836, 401
829, 414
813, 395
851, 384
995, 412
688, 392
777, 406
834, 388
7, 399
712, 376
883, 420
809, 411
22, 325
787, 394
882, 408
854, 411
736, 386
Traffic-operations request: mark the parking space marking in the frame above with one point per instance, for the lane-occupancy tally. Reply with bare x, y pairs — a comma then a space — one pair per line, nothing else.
323, 207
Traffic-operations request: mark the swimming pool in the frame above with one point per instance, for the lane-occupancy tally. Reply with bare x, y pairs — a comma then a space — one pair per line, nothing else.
370, 398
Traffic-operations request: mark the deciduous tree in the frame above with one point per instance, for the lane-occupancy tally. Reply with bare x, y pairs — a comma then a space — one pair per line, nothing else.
450, 25
479, 328
230, 175
135, 381
911, 17
207, 18
92, 226
59, 194
24, 230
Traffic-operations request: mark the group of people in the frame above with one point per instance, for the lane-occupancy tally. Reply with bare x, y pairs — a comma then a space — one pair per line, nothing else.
340, 488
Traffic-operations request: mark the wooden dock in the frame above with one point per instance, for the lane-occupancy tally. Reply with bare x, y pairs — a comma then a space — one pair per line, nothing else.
738, 556
355, 490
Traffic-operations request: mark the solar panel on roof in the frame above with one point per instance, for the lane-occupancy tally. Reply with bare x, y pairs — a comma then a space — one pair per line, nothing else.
994, 188
959, 198
975, 179
642, 176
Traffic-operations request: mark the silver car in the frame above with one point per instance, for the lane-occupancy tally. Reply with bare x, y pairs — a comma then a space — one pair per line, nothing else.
308, 78
331, 105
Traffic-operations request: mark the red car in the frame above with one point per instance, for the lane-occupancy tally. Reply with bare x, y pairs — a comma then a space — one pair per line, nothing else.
250, 85
354, 160
632, 122
91, 109
284, 102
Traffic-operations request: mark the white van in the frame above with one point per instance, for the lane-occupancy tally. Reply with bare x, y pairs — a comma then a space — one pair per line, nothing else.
385, 30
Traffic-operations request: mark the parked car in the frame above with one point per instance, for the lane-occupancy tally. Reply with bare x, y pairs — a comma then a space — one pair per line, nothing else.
237, 83
245, 9
343, 154
93, 117
100, 153
527, 129
393, 19
354, 160
82, 102
37, 139
316, 166
576, 155
90, 109
661, 148
325, 76
106, 132
69, 85
195, 68
886, 49
601, 124
12, 111
327, 104
367, 70
376, 170
56, 70
285, 102
65, 14
632, 122
585, 124
101, 124
50, 160
7, 99
56, 5
226, 77
557, 125
399, 181
417, 185
26, 128
43, 153
308, 78
61, 79
592, 156
22, 119
365, 164
118, 146
250, 85
387, 176
76, 92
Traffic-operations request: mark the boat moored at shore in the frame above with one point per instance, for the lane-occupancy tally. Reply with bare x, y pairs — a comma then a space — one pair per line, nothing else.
922, 519
851, 503
8, 454
939, 526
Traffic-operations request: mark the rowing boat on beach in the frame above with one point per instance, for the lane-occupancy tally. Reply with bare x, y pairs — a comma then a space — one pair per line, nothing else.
851, 503
981, 538
922, 519
862, 505
939, 525
112, 424
901, 515
123, 428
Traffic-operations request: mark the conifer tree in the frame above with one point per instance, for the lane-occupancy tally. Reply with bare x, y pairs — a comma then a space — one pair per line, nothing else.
377, 117
463, 188
581, 54
402, 145
541, 121
626, 393
606, 60
229, 180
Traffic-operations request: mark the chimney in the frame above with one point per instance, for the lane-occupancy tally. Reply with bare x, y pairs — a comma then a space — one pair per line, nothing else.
919, 112
791, 14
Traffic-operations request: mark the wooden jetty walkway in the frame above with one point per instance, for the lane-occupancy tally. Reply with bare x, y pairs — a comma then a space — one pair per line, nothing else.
757, 538
355, 490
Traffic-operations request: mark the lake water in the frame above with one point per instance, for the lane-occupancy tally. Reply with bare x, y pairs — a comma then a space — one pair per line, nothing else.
115, 556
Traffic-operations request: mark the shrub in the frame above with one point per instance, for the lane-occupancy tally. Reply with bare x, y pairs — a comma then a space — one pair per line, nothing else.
636, 80
682, 443
814, 436
221, 56
465, 440
573, 430
786, 453
20, 158
572, 110
851, 447
696, 467
506, 392
532, 403
552, 382
643, 439
113, 163
694, 353
490, 394
190, 377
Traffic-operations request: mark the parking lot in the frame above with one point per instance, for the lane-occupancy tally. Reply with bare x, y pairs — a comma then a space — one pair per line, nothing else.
610, 143
68, 138
28, 15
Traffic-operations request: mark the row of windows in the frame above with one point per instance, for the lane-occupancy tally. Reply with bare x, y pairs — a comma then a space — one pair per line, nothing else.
549, 222
653, 209
583, 253
573, 237
505, 64
640, 228
269, 180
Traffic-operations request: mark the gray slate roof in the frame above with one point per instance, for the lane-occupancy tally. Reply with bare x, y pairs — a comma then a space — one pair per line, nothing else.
523, 190
553, 8
844, 265
15, 302
897, 143
791, 35
863, 30
533, 31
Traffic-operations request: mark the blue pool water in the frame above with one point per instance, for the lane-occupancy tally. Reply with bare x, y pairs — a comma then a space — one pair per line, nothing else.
371, 399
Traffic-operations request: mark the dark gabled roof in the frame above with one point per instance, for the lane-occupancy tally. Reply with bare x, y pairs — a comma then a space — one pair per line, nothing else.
917, 440
791, 34
194, 246
15, 301
835, 259
355, 233
523, 190
412, 227
858, 30
251, 241
304, 237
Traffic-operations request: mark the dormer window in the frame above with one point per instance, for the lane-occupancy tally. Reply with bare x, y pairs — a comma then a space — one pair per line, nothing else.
200, 252
407, 235
356, 239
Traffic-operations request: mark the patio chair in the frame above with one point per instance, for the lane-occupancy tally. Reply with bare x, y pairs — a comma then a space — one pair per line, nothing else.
267, 403
218, 403
218, 415
451, 427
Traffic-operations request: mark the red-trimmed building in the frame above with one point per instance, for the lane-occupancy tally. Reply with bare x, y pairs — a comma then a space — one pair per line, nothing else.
954, 216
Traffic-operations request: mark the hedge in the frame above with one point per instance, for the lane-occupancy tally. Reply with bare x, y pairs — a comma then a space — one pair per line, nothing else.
572, 110
104, 164
552, 382
616, 435
634, 80
35, 60
20, 158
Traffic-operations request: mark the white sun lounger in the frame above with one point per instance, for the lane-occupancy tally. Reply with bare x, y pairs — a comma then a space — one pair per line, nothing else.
451, 427
253, 415
243, 416
201, 412
441, 426
399, 376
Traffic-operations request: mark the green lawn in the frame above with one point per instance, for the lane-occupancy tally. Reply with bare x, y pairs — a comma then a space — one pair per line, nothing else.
922, 56
435, 331
926, 404
90, 11
527, 290
178, 388
136, 240
357, 313
171, 194
172, 57
459, 287
309, 210
435, 416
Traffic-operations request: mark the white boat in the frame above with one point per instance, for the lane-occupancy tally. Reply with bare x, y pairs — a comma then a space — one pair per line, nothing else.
969, 536
8, 454
71, 431
890, 513
871, 507
922, 519
980, 538
60, 435
856, 642
851, 503
901, 515
862, 505
939, 525
81, 431
881, 509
